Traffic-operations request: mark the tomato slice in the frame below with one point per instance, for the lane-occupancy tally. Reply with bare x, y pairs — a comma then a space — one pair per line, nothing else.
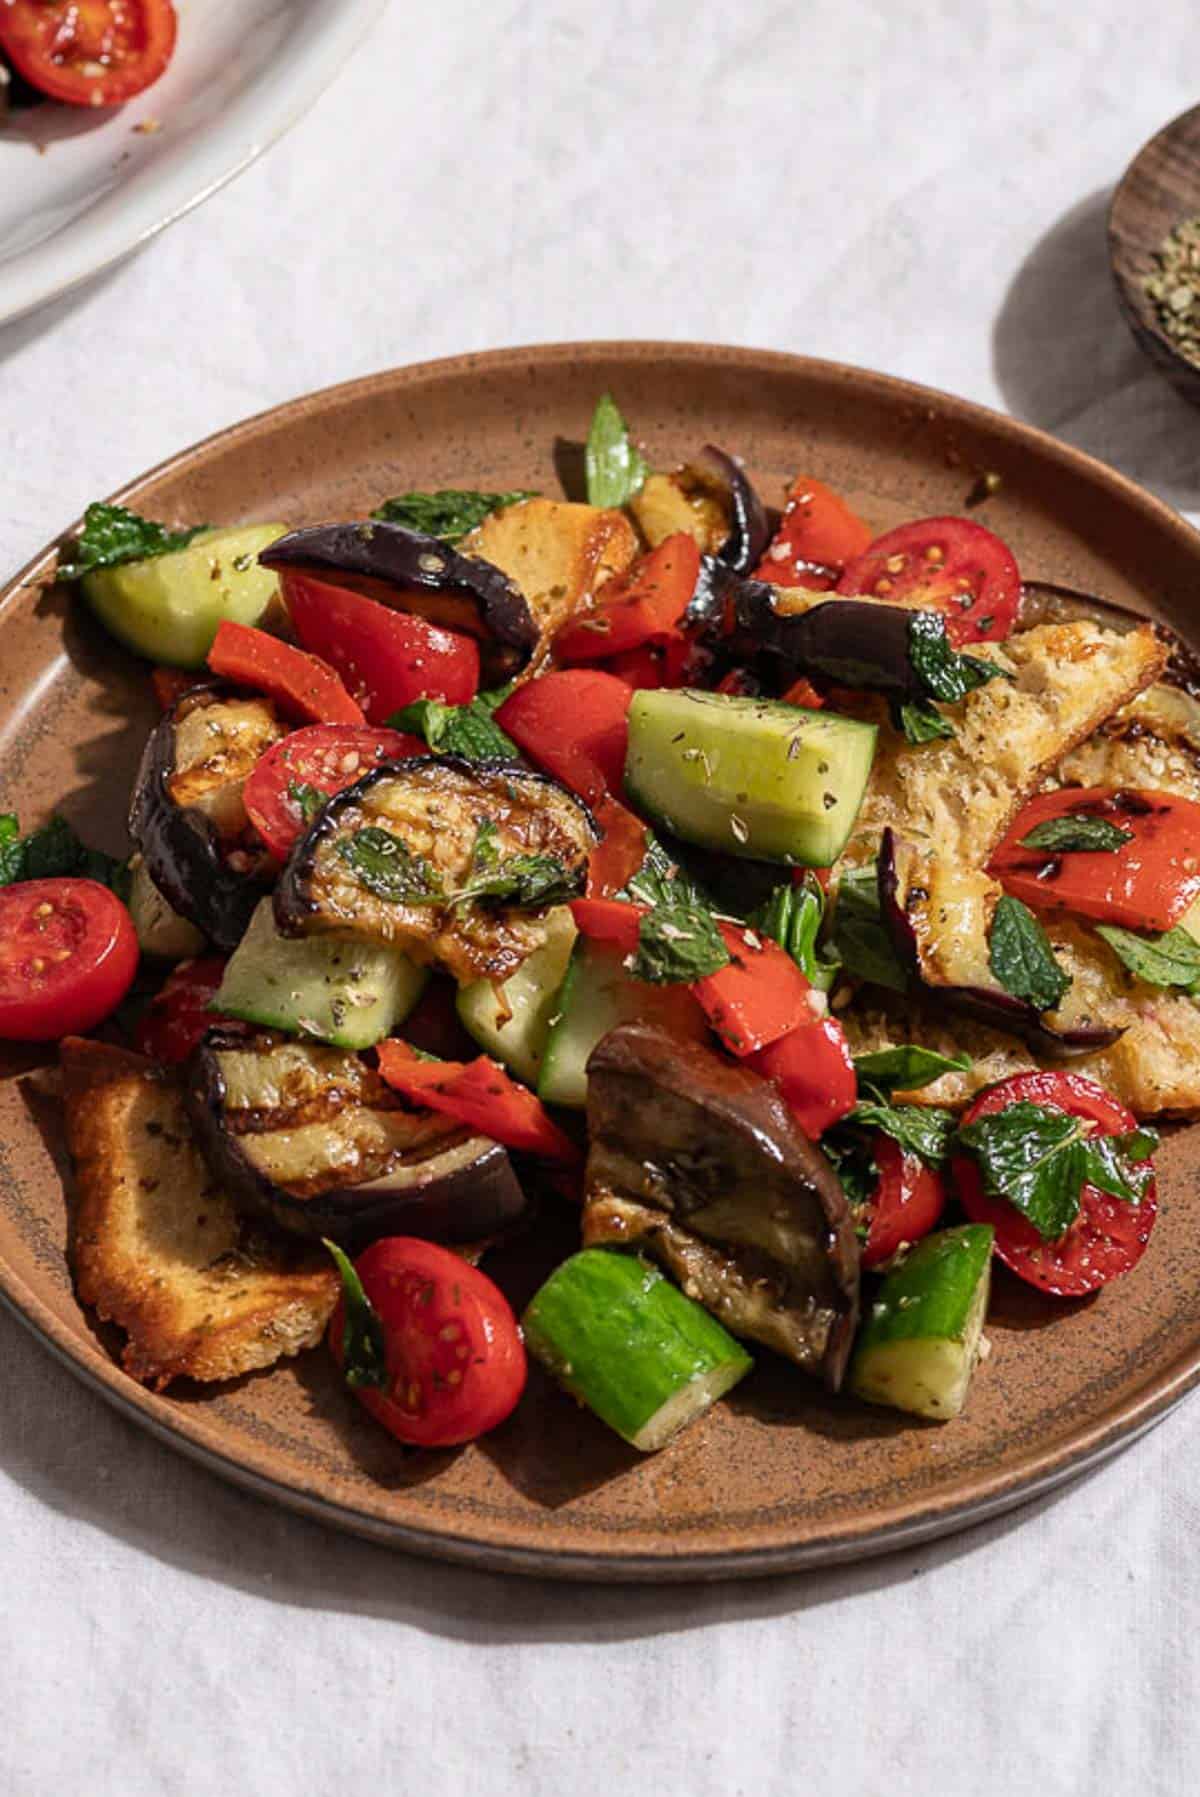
479, 1093
453, 1353
1146, 884
88, 52
817, 527
814, 1070
68, 954
327, 757
1109, 1235
574, 723
643, 605
304, 686
943, 564
387, 659
179, 1014
908, 1199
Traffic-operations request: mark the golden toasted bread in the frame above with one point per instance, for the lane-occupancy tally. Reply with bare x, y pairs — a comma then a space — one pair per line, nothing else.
159, 1250
557, 553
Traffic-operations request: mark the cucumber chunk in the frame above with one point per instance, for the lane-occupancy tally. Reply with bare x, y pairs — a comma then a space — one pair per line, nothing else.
627, 1343
512, 1022
168, 607
749, 777
336, 990
596, 995
920, 1341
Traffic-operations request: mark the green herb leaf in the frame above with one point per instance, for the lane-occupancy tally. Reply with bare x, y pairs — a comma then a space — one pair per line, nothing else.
1031, 1156
943, 671
922, 723
1172, 959
364, 1347
615, 469
53, 852
853, 1160
1111, 1163
309, 801
387, 867
1021, 958
859, 937
491, 700
1077, 833
678, 943
792, 917
907, 1068
661, 880
522, 883
924, 1130
450, 513
467, 730
111, 535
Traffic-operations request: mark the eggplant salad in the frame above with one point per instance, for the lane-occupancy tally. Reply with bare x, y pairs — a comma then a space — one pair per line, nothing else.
814, 913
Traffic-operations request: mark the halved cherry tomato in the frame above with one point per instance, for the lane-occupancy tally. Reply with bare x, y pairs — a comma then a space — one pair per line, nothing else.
908, 1199
1109, 1235
1146, 884
479, 1093
325, 756
179, 1013
303, 685
620, 851
760, 996
643, 605
574, 723
68, 954
387, 659
814, 1070
88, 52
817, 527
943, 564
452, 1348
170, 683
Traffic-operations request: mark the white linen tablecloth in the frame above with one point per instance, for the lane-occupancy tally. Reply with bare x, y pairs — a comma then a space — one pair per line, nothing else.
914, 187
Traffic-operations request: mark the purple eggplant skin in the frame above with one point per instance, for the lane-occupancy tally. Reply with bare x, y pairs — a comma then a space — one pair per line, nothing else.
851, 642
181, 847
410, 572
999, 1010
1042, 602
461, 1193
750, 530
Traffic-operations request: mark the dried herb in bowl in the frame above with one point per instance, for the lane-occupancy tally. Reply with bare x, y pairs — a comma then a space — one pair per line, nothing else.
1174, 287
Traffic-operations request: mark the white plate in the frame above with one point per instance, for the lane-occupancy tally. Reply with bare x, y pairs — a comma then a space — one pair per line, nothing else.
78, 190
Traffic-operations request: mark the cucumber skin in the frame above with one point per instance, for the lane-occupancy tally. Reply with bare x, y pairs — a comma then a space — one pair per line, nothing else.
532, 993
790, 824
918, 1345
596, 995
139, 602
623, 1340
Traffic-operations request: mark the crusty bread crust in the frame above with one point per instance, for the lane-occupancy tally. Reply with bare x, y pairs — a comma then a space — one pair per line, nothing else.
159, 1250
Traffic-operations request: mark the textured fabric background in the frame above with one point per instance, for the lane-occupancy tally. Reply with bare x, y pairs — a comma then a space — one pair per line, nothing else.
915, 187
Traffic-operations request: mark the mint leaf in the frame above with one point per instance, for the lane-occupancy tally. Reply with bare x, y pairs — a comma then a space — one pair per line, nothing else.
467, 730
1021, 958
678, 941
388, 868
859, 936
1033, 1157
907, 1068
792, 917
1118, 1164
924, 1130
450, 513
1172, 959
1076, 833
53, 852
111, 535
308, 800
523, 883
922, 722
364, 1345
615, 469
943, 671
661, 880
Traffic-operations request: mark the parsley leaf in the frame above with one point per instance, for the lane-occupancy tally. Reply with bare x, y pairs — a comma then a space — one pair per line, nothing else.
450, 513
615, 469
943, 671
111, 535
388, 868
1022, 959
1076, 833
467, 730
308, 800
792, 917
678, 942
364, 1349
922, 722
924, 1130
907, 1068
859, 936
1040, 1159
54, 851
1172, 959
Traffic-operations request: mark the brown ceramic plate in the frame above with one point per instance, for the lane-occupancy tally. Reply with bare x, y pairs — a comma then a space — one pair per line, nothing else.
779, 1476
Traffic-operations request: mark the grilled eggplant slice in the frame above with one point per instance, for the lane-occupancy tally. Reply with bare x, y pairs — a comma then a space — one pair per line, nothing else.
313, 1139
187, 813
395, 858
412, 572
700, 1162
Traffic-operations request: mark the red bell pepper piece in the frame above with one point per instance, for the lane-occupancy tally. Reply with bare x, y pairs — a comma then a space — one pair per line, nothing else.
815, 1073
803, 692
760, 996
303, 685
480, 1094
643, 605
609, 920
574, 724
816, 526
620, 851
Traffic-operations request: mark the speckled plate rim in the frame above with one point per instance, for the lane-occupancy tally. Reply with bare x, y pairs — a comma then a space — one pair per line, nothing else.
782, 1546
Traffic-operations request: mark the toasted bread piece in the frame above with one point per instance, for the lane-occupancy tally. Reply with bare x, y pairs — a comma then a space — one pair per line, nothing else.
159, 1250
1153, 743
557, 553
